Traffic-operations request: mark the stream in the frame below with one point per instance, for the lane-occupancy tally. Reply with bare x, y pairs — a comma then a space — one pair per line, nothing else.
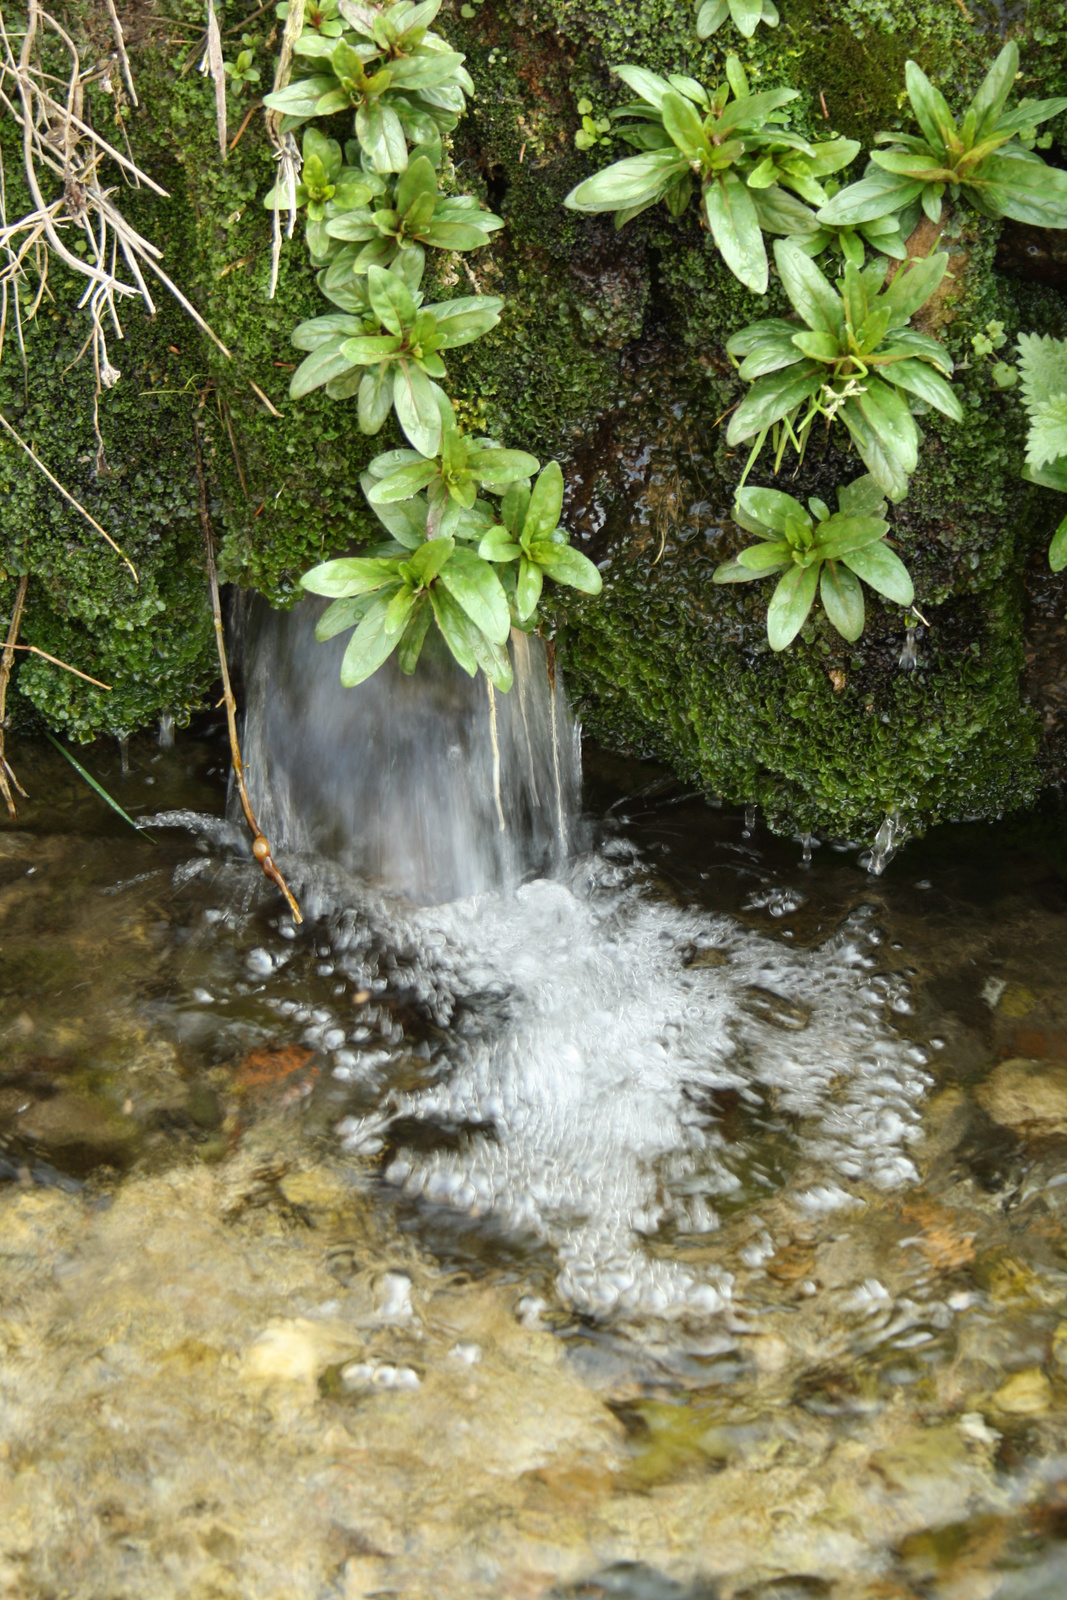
609, 1203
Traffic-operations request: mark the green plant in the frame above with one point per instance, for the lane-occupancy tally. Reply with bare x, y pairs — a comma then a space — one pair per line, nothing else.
986, 344
855, 357
821, 551
1043, 374
243, 71
414, 92
746, 15
987, 158
734, 149
329, 183
320, 16
413, 212
593, 131
476, 581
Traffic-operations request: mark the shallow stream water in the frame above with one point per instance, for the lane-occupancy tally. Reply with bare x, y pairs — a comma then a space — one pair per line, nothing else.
686, 1222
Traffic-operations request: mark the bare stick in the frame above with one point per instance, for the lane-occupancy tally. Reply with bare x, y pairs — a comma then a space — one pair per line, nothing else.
5, 673
273, 409
495, 742
260, 847
68, 497
78, 673
116, 26
218, 74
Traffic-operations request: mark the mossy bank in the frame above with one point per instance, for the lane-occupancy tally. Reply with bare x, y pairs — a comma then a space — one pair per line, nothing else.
610, 356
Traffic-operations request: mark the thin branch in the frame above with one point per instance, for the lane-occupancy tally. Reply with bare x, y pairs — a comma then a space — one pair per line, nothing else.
273, 409
78, 673
5, 673
67, 496
260, 847
213, 63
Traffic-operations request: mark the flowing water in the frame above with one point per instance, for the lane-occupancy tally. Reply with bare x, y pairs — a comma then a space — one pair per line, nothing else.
612, 1202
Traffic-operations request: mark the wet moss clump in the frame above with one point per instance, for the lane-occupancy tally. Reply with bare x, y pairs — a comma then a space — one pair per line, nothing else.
610, 356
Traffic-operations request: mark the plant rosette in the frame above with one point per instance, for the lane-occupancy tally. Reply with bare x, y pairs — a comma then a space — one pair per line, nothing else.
732, 149
412, 212
820, 553
475, 596
331, 183
855, 358
985, 158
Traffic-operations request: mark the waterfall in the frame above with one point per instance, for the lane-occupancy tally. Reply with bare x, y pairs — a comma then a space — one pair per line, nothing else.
428, 784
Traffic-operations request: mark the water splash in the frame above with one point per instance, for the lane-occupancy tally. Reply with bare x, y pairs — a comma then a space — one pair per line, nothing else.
396, 778
166, 730
887, 841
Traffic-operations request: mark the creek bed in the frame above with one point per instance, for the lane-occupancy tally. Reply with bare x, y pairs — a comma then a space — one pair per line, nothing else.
688, 1225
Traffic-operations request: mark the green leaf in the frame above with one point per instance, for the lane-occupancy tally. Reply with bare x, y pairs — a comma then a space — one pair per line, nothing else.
446, 235
390, 300
629, 182
411, 642
996, 86
711, 16
734, 572
340, 616
427, 561
456, 628
644, 83
300, 99
318, 368
911, 288
771, 355
737, 78
514, 505
735, 228
1057, 550
528, 589
770, 508
400, 608
879, 194
770, 399
349, 575
369, 349
498, 467
878, 566
814, 297
887, 413
545, 504
318, 330
861, 498
882, 464
842, 599
465, 319
1047, 438
403, 483
474, 585
415, 399
566, 565
769, 331
379, 131
819, 346
684, 126
498, 545
920, 379
369, 646
778, 211
842, 534
766, 557
790, 605
930, 107
405, 519
1030, 191
375, 398
1050, 477
746, 15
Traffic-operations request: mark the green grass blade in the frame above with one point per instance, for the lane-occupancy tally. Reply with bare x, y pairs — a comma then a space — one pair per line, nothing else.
101, 791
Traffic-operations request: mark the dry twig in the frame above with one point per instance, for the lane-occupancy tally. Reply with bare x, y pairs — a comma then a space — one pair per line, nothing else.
66, 495
260, 847
214, 65
286, 152
6, 662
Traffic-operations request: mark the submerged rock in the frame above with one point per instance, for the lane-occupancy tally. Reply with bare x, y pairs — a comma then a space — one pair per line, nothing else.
1028, 1095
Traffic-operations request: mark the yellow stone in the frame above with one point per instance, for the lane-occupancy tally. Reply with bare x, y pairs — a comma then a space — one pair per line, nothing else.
1025, 1394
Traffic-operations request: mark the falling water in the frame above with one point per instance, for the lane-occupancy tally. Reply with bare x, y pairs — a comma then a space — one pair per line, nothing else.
166, 730
425, 783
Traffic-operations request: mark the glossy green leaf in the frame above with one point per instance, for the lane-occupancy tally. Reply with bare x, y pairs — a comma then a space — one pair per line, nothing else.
498, 467
475, 587
456, 628
427, 561
842, 599
746, 15
404, 482
1057, 550
399, 610
735, 228
684, 126
369, 646
711, 16
528, 589
629, 182
416, 407
734, 572
879, 194
318, 368
861, 498
648, 85
545, 504
765, 557
842, 534
920, 379
888, 415
566, 565
814, 297
410, 647
884, 571
930, 107
349, 575
913, 286
513, 506
375, 398
771, 398
996, 86
883, 465
770, 508
340, 616
790, 605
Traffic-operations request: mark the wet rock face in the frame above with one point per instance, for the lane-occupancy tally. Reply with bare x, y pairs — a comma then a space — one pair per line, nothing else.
1038, 255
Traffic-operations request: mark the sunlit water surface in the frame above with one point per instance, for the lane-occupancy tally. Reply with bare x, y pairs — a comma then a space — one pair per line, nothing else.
620, 1206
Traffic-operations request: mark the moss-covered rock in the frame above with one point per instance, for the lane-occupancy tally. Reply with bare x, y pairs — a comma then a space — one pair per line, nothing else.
610, 355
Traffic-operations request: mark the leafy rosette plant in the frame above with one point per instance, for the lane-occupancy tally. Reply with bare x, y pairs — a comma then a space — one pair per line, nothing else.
853, 357
983, 158
821, 552
686, 134
413, 213
474, 595
393, 356
746, 16
887, 236
330, 185
1043, 374
320, 16
403, 83
450, 478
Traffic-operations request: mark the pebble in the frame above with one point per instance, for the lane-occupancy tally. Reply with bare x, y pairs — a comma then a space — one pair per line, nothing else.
1026, 1094
1025, 1394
